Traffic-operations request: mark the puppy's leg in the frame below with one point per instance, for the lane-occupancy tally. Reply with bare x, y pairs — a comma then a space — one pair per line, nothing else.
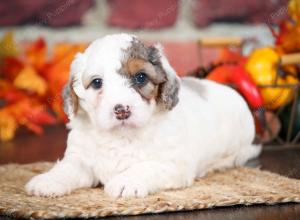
65, 176
148, 177
246, 153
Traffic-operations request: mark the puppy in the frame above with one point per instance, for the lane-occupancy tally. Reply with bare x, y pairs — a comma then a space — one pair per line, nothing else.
137, 128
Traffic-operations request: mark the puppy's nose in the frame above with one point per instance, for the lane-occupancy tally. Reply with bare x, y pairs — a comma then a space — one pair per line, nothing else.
122, 112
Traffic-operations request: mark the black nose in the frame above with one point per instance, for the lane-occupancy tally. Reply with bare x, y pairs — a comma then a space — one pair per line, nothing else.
122, 112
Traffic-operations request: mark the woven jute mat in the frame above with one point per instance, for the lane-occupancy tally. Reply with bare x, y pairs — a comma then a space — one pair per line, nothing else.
231, 187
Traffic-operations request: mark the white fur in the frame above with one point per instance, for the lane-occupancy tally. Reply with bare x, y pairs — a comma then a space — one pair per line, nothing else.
210, 128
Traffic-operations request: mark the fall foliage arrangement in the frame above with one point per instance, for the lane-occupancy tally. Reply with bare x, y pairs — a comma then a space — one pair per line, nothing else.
31, 83
268, 77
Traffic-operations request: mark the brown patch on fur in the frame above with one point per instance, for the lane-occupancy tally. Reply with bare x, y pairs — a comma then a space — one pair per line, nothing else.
140, 58
134, 65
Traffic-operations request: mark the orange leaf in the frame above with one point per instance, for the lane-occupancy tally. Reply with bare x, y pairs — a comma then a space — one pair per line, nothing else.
10, 67
57, 106
61, 50
28, 79
39, 115
291, 40
8, 125
36, 53
57, 74
294, 10
31, 114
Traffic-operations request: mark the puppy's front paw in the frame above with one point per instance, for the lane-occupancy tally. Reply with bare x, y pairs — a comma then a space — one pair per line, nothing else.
123, 186
45, 185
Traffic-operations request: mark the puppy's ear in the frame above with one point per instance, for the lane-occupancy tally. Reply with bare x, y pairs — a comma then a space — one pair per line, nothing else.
168, 90
70, 97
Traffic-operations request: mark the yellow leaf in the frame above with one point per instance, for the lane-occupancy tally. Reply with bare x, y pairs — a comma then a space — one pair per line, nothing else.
8, 46
8, 126
29, 80
294, 9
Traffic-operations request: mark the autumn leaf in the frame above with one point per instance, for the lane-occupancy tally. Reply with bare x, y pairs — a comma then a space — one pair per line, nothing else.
62, 49
8, 46
294, 10
35, 53
28, 79
10, 67
31, 114
57, 74
288, 31
291, 40
8, 125
39, 115
31, 84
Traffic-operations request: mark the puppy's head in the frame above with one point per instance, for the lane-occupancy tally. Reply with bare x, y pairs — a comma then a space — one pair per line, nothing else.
120, 82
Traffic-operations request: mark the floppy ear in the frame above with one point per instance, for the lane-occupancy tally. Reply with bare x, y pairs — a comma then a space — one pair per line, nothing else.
70, 98
168, 90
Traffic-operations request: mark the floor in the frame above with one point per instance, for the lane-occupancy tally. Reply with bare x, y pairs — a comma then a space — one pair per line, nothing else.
28, 148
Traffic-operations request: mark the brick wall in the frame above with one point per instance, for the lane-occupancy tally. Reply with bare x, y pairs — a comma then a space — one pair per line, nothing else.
163, 13
137, 14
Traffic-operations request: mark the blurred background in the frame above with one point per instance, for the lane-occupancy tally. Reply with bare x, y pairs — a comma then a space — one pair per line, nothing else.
75, 20
251, 45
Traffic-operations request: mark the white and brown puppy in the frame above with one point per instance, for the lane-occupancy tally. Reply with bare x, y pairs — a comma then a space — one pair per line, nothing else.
137, 128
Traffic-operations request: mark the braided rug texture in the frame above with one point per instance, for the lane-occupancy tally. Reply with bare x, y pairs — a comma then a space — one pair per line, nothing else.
231, 187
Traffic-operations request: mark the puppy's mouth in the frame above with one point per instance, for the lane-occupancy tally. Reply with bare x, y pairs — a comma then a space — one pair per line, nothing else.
124, 124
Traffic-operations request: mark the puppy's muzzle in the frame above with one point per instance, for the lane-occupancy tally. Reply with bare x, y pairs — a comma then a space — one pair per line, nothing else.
122, 112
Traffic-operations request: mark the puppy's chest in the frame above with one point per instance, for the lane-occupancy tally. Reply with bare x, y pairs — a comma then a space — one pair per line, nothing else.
114, 158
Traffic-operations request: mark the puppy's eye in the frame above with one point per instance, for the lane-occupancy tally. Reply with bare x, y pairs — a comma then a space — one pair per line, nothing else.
140, 79
96, 83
